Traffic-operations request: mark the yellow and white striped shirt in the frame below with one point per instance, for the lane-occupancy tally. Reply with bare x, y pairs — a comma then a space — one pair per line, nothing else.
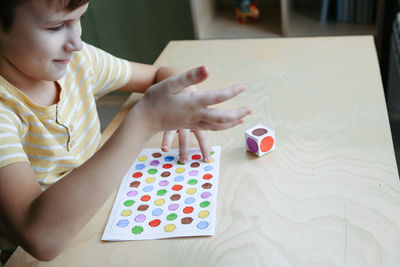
58, 138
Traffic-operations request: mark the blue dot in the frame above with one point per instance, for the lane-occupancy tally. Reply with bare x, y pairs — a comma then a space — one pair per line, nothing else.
123, 223
190, 200
157, 212
179, 178
202, 225
148, 188
140, 166
208, 168
169, 158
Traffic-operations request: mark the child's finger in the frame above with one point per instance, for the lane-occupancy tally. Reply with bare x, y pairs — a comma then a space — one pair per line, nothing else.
224, 116
218, 126
218, 96
184, 138
177, 83
204, 144
168, 137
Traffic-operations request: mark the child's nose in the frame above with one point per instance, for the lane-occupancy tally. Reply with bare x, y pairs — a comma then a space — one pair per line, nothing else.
74, 42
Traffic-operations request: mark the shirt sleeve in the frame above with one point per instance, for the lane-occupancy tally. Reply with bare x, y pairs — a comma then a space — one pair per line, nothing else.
11, 149
110, 72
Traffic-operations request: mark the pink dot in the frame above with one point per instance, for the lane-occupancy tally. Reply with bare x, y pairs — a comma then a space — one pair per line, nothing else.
140, 218
132, 193
193, 173
205, 195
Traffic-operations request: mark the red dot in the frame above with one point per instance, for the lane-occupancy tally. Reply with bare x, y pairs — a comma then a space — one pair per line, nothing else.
188, 210
145, 198
167, 166
207, 176
196, 156
137, 175
155, 223
177, 187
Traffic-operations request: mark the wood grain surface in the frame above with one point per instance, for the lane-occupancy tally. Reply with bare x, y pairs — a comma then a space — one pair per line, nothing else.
329, 194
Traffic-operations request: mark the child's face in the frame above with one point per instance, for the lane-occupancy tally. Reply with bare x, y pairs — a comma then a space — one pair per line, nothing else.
41, 41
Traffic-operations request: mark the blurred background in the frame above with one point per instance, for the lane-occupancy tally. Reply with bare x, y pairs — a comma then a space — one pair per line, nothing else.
138, 30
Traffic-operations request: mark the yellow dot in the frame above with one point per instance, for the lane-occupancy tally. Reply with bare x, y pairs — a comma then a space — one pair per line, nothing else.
179, 170
211, 161
126, 212
142, 158
150, 180
159, 202
169, 228
191, 190
203, 214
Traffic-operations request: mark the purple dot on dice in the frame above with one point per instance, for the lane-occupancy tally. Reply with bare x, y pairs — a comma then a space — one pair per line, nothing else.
252, 145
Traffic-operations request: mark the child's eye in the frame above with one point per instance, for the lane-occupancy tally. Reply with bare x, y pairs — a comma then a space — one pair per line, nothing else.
55, 29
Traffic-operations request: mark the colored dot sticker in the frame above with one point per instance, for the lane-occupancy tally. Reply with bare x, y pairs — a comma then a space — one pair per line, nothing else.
140, 166
193, 173
188, 209
212, 152
195, 165
137, 230
171, 217
134, 184
202, 225
163, 183
126, 213
210, 161
177, 187
187, 220
192, 181
196, 157
205, 195
123, 223
252, 145
143, 207
175, 197
266, 144
157, 212
152, 171
190, 200
154, 163
167, 166
132, 193
161, 192
145, 198
173, 206
169, 228
203, 214
205, 204
180, 163
208, 168
159, 202
142, 158
154, 223
156, 155
140, 218
259, 131
129, 203
191, 190
207, 176
165, 174
150, 180
137, 175
148, 188
180, 170
169, 158
179, 178
206, 186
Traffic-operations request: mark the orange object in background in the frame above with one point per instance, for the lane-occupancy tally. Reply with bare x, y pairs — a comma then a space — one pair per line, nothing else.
246, 9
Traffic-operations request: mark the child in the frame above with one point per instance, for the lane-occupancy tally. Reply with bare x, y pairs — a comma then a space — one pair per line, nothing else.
49, 128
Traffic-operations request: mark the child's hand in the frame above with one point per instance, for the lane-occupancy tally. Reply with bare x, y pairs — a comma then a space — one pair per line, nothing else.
166, 106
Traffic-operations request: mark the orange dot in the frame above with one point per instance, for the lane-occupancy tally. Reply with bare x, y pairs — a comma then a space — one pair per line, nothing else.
137, 175
267, 143
188, 210
177, 187
196, 156
207, 176
167, 166
145, 198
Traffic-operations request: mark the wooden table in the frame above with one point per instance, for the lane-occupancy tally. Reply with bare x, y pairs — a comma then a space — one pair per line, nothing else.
328, 196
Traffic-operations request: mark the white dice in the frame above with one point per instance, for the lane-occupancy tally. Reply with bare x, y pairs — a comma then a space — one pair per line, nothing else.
260, 140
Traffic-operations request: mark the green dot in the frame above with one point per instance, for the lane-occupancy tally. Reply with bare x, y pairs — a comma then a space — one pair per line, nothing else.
129, 203
172, 217
204, 204
212, 152
137, 230
161, 192
152, 171
180, 163
192, 182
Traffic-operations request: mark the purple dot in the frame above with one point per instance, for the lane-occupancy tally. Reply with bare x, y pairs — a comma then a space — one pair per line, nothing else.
193, 173
173, 206
252, 145
132, 193
205, 194
154, 163
140, 218
164, 183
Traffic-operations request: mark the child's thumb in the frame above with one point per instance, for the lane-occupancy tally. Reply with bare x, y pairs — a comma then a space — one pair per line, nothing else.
177, 83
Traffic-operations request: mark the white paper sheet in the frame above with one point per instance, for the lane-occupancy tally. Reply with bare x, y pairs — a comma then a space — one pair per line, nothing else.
160, 198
